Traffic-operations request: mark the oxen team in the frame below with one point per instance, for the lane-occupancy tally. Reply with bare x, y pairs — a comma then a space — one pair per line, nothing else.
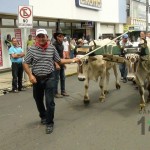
95, 67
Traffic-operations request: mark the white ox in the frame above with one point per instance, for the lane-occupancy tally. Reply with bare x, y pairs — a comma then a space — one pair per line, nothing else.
95, 68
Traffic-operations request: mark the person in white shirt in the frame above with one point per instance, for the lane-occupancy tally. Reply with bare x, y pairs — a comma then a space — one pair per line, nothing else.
142, 36
66, 48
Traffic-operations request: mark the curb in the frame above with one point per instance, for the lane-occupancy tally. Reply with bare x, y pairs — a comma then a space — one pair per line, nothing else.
27, 84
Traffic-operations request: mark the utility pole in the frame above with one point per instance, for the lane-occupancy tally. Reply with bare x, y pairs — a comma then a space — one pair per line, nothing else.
147, 12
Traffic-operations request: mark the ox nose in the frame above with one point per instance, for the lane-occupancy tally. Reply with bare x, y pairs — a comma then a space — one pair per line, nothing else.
81, 77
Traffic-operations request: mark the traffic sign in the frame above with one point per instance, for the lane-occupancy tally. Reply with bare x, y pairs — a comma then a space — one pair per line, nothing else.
25, 16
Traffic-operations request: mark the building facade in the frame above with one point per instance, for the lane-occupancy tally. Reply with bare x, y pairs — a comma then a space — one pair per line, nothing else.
77, 18
137, 17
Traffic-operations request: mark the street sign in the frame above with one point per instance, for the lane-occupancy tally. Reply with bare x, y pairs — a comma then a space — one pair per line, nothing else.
25, 17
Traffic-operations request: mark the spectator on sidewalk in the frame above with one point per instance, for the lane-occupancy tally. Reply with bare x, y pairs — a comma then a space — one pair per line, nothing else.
66, 48
80, 43
60, 69
30, 42
16, 54
42, 56
8, 41
72, 47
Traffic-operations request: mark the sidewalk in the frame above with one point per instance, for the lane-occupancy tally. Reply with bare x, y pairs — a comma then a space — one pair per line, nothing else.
6, 78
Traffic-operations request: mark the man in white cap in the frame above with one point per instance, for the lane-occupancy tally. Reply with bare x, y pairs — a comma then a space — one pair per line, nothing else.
42, 57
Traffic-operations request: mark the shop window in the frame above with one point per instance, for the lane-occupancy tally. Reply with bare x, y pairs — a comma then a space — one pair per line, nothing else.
52, 24
76, 25
43, 23
68, 24
8, 22
35, 23
62, 24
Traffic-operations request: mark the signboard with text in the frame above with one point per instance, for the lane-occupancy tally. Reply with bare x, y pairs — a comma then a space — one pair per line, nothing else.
89, 4
25, 16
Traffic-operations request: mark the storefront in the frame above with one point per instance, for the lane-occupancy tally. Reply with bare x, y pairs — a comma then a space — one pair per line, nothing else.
77, 18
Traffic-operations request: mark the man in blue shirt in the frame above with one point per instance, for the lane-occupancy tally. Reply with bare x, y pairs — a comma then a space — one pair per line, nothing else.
16, 54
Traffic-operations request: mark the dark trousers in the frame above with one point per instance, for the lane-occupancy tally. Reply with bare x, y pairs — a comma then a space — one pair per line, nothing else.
60, 75
17, 74
71, 53
123, 70
45, 87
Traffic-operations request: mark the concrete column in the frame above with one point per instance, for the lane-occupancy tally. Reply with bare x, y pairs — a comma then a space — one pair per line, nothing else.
58, 25
98, 31
118, 28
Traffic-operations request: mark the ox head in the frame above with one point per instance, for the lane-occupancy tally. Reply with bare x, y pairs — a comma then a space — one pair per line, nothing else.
132, 58
83, 66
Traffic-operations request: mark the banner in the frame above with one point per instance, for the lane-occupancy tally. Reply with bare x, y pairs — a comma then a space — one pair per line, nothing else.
33, 33
1, 57
18, 36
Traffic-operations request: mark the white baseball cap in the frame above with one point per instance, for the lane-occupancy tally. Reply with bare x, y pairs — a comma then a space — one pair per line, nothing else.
41, 31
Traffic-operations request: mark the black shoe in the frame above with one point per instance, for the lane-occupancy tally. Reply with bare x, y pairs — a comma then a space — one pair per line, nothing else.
22, 89
15, 91
125, 80
49, 128
43, 121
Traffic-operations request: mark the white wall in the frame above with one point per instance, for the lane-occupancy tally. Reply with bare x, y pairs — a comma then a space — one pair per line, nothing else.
109, 11
66, 9
107, 29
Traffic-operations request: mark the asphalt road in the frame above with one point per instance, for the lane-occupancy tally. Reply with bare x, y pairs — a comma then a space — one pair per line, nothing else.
112, 125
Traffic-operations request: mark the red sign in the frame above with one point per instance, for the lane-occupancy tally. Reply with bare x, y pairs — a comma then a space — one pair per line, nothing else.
18, 36
33, 33
1, 56
25, 16
25, 12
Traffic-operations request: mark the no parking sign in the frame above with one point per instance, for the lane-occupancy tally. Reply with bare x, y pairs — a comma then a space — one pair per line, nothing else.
25, 16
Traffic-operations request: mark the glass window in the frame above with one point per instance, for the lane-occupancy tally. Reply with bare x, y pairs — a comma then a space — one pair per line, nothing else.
68, 24
52, 24
76, 25
35, 23
62, 24
8, 22
43, 23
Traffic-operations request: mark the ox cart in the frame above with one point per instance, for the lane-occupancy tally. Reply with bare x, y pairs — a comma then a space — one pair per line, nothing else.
137, 68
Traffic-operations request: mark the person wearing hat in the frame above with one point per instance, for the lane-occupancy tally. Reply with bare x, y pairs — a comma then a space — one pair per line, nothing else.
60, 69
42, 56
122, 67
